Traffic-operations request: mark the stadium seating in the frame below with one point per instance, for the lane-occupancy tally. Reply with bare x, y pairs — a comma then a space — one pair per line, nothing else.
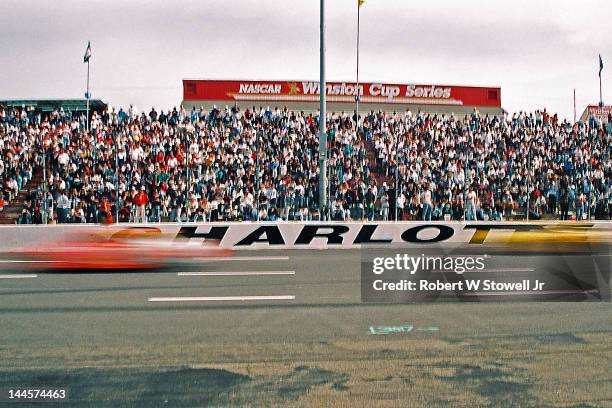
201, 165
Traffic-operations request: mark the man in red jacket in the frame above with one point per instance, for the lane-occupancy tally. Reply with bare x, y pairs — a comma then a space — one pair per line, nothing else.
106, 216
140, 201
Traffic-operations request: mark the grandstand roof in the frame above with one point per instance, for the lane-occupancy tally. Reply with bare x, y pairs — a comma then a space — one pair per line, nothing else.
48, 105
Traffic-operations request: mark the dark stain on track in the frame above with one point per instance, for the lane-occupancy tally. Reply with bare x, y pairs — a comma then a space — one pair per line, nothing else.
182, 386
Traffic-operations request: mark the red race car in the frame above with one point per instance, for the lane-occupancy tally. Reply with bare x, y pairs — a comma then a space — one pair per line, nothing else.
127, 248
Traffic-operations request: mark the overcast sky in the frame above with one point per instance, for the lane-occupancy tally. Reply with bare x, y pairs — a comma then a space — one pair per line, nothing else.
538, 51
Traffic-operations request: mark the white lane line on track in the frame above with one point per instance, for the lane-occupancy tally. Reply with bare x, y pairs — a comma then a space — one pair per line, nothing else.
219, 298
23, 276
242, 273
24, 261
243, 258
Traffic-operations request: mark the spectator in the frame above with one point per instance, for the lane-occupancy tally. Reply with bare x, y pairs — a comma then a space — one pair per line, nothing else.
106, 216
63, 207
384, 205
427, 204
140, 201
25, 217
508, 203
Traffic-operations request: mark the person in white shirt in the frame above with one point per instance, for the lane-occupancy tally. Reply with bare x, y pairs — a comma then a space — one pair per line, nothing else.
427, 204
401, 202
470, 208
384, 206
63, 160
63, 207
137, 153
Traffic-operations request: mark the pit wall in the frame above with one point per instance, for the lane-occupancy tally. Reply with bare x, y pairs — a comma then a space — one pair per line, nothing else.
317, 235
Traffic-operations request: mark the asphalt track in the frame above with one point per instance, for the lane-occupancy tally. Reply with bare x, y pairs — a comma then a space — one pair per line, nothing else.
287, 306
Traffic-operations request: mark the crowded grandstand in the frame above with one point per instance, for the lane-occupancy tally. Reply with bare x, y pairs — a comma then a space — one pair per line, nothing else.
261, 163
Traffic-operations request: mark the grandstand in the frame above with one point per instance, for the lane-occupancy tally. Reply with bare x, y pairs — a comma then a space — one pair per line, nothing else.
200, 165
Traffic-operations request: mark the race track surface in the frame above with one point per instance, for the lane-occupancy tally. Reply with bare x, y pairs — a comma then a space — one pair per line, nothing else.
219, 332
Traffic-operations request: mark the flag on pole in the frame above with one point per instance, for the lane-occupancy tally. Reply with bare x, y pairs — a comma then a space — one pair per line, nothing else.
360, 3
87, 52
600, 65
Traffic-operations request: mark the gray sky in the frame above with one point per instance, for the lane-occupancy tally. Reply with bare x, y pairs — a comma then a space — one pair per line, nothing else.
537, 51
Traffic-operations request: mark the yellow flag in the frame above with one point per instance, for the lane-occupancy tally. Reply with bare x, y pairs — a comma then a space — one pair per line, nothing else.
360, 3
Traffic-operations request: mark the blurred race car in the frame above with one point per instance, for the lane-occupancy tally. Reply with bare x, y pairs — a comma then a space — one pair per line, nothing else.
102, 249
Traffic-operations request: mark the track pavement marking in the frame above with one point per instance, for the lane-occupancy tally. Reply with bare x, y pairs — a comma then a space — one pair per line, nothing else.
218, 298
407, 328
23, 276
242, 273
243, 258
24, 261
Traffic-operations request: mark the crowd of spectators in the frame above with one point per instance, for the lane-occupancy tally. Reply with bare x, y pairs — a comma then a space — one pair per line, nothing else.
262, 164
493, 167
20, 149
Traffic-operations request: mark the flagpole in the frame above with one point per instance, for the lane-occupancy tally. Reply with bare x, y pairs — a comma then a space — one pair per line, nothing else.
322, 129
574, 105
600, 92
528, 178
87, 95
257, 185
116, 177
358, 96
44, 163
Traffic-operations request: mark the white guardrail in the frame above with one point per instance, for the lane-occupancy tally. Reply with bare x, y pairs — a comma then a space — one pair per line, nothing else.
320, 235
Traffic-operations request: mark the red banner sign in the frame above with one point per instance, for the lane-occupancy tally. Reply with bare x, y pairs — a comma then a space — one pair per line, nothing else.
339, 92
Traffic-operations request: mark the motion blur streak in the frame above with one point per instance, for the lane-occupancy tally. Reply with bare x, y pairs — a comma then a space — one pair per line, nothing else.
128, 249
